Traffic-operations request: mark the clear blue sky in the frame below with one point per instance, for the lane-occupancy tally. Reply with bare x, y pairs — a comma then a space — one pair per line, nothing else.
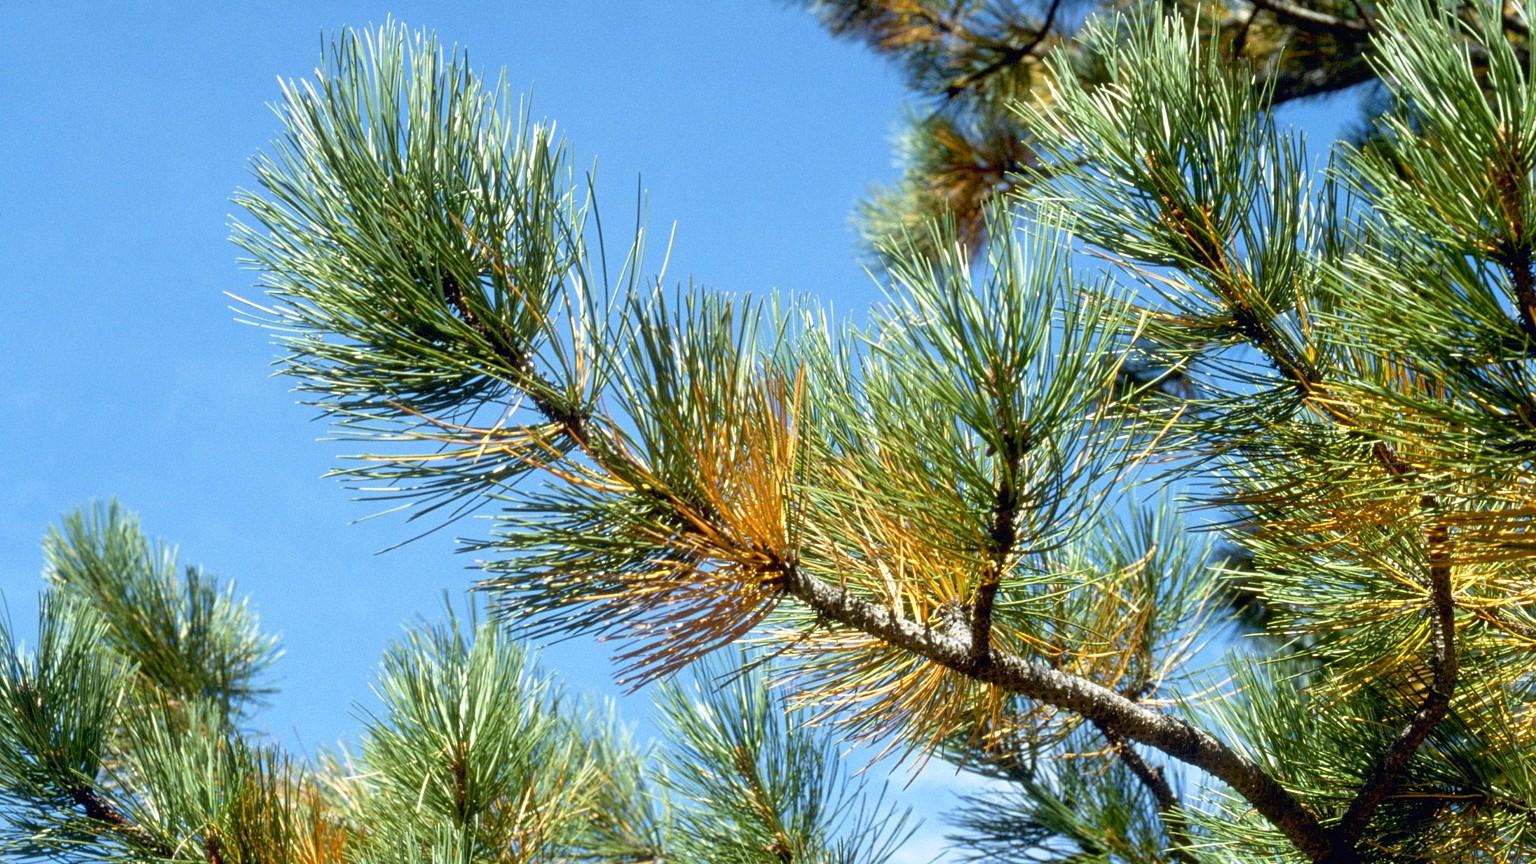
127, 126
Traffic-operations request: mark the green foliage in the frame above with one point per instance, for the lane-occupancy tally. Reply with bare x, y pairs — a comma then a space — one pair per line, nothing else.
474, 748
190, 638
764, 787
931, 519
59, 704
411, 216
475, 755
968, 64
1085, 809
929, 515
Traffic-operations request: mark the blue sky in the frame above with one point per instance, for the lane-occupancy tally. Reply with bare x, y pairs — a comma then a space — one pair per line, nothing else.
127, 126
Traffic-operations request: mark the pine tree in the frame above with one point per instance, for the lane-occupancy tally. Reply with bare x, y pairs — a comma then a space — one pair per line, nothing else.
968, 62
920, 515
124, 737
933, 523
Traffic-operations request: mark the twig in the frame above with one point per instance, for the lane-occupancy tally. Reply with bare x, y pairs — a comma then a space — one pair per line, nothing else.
1004, 534
1010, 55
1311, 19
1170, 809
103, 811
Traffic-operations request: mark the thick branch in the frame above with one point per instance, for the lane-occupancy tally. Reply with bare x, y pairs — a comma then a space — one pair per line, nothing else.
1104, 707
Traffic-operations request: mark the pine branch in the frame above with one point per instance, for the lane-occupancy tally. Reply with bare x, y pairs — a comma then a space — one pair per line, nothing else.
1522, 274
1170, 809
1114, 712
1004, 534
1015, 674
1509, 176
103, 811
1010, 672
1304, 18
1442, 610
1009, 56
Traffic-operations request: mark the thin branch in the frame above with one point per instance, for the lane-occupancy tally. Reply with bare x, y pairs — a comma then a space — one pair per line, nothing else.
1232, 289
1010, 55
1516, 24
1395, 758
1170, 809
540, 391
1304, 18
1509, 179
1241, 42
1519, 265
101, 810
783, 845
1317, 79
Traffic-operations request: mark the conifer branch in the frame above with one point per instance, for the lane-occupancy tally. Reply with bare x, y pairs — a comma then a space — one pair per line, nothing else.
103, 811
1509, 178
1004, 534
1522, 275
1170, 809
1100, 705
1113, 712
1009, 56
1311, 19
1391, 763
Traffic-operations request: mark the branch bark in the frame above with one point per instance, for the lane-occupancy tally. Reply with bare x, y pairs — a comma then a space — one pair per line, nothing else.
1305, 18
1233, 288
1102, 706
1109, 710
